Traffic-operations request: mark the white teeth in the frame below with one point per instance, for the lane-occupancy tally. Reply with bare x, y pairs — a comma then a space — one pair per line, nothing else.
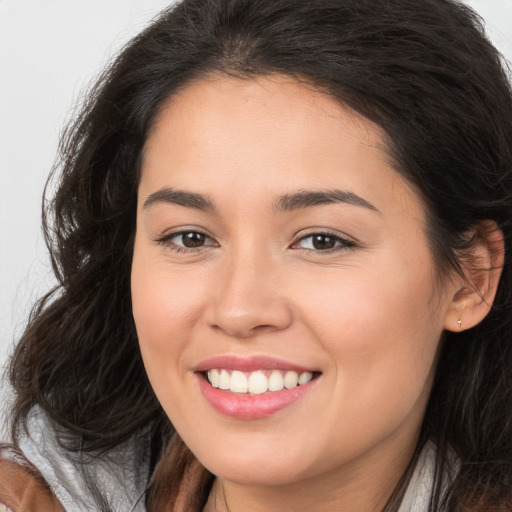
304, 378
238, 382
213, 377
224, 379
256, 382
291, 379
275, 381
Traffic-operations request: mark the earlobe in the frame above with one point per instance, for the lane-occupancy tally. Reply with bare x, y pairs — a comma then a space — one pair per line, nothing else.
482, 271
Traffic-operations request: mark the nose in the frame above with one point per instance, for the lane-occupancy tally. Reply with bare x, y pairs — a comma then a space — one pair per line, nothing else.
250, 300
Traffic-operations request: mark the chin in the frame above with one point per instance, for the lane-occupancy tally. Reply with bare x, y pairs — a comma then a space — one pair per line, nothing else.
256, 467
249, 475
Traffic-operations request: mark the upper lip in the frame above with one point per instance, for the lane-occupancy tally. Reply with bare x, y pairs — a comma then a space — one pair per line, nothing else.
249, 364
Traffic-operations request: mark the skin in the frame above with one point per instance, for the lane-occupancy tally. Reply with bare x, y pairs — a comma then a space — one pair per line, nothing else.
368, 315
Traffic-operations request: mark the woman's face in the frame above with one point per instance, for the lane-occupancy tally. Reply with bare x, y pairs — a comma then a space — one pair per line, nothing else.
275, 242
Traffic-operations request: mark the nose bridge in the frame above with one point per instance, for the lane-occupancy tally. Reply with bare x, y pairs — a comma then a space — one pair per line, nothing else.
249, 299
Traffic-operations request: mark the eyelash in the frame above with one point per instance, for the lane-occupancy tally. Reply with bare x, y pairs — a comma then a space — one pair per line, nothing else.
340, 242
167, 241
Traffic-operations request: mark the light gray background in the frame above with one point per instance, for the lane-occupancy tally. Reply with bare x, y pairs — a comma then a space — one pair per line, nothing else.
49, 52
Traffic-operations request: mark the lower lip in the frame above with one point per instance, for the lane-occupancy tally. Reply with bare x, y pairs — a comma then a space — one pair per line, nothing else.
238, 405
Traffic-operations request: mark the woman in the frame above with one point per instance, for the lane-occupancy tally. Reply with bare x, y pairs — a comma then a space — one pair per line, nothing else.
282, 236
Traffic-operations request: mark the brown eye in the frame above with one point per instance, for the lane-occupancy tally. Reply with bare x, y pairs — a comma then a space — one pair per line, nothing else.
192, 239
323, 242
184, 240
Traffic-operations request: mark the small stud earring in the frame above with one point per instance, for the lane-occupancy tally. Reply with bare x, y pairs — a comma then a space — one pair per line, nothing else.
459, 323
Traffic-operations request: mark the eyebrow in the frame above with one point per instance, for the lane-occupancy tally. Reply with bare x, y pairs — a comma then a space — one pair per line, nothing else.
309, 199
181, 198
289, 202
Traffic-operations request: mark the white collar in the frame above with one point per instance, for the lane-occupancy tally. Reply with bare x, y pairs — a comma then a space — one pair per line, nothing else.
419, 490
120, 476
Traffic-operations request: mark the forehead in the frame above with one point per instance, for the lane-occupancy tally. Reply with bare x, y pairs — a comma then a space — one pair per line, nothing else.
260, 98
272, 132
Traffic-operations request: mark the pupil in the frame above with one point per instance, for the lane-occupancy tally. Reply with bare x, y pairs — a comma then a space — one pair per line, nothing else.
323, 242
193, 240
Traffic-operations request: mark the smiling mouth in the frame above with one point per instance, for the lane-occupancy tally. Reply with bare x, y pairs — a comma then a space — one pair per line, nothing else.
257, 382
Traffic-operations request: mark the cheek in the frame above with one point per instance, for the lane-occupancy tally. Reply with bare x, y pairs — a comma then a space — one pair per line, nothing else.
165, 312
382, 336
165, 306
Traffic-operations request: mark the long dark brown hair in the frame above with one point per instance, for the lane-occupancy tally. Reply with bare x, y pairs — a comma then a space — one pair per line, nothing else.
420, 69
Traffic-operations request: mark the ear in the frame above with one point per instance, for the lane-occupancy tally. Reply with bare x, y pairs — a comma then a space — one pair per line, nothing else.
481, 274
